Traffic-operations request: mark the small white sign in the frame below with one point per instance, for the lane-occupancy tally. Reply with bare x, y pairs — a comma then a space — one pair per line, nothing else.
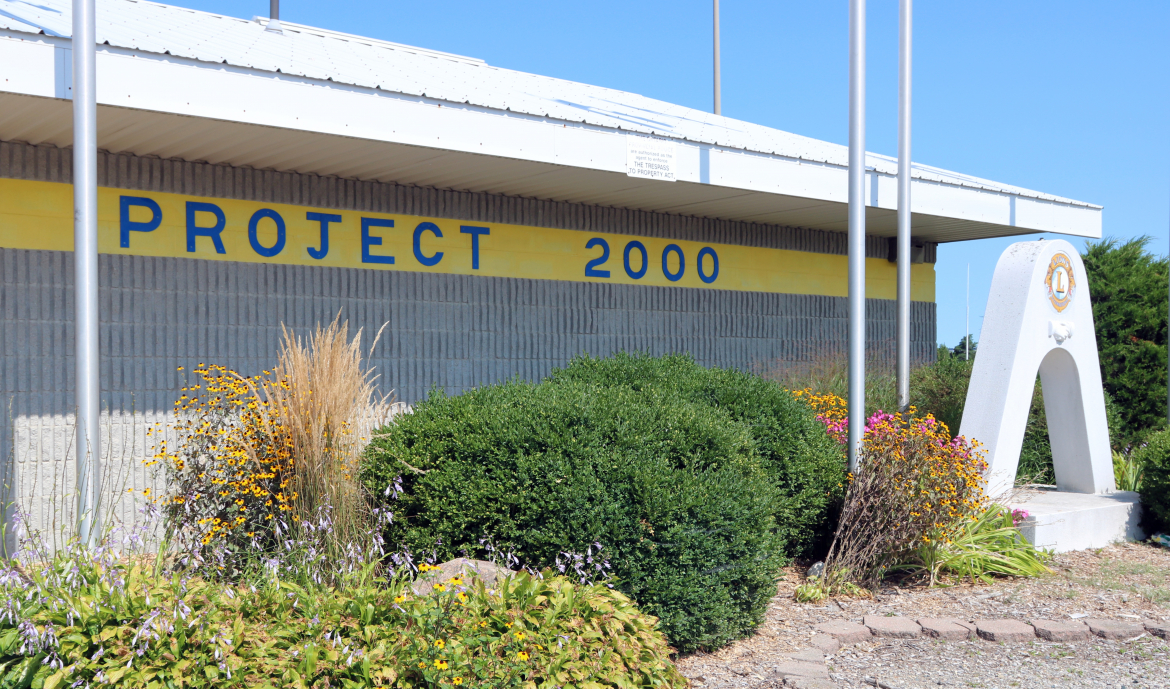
650, 158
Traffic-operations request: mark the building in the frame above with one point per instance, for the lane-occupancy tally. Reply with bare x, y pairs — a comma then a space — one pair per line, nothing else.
500, 222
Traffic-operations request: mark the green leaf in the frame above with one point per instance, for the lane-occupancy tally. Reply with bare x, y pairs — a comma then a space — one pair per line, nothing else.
55, 680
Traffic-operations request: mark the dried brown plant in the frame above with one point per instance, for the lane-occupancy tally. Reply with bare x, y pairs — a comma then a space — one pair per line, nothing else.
330, 405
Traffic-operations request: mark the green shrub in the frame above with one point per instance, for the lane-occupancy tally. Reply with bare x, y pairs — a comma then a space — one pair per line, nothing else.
941, 388
98, 623
1154, 459
699, 483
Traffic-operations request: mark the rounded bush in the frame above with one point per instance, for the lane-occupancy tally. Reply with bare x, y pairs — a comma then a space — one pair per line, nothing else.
699, 483
1154, 459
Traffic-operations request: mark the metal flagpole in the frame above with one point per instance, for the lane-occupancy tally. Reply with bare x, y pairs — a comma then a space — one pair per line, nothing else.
856, 229
967, 322
903, 320
85, 267
903, 205
718, 96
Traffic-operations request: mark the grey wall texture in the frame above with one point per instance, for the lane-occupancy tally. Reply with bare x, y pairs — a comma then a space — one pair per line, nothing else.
449, 331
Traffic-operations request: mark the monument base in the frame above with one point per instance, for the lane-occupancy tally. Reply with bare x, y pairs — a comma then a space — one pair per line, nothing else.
1078, 521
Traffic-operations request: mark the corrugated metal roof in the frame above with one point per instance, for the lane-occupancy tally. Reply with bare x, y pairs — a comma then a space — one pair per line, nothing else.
330, 56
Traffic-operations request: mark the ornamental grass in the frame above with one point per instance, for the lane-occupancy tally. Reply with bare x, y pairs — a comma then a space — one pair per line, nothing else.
916, 485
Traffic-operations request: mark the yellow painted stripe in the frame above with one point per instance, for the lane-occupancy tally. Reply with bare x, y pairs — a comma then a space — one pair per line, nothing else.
39, 215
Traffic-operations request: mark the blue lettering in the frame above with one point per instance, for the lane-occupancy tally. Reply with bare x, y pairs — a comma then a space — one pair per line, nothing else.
418, 254
641, 248
682, 263
194, 230
368, 241
324, 219
592, 268
127, 225
475, 232
708, 251
254, 235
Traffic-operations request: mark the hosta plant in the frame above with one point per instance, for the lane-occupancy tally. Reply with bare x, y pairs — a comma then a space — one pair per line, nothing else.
89, 618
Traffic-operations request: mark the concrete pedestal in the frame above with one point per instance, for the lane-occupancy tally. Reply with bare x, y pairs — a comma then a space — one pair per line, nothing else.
1078, 521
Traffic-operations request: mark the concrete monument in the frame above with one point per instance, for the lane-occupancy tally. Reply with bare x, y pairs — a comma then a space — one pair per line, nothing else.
1039, 319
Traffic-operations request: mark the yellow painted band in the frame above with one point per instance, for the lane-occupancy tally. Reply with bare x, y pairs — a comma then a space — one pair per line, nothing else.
39, 215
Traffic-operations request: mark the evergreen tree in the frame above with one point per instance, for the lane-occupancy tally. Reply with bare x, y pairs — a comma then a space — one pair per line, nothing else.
1129, 293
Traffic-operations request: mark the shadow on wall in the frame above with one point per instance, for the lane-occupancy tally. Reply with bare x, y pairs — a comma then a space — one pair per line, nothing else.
453, 332
39, 471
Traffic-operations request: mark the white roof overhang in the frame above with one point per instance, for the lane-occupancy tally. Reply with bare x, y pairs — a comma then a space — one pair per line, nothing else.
152, 103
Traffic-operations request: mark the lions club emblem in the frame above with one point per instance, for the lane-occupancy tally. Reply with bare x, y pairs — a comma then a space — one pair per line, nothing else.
1060, 281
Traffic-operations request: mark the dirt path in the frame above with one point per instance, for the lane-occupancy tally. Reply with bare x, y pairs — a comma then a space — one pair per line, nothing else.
1127, 583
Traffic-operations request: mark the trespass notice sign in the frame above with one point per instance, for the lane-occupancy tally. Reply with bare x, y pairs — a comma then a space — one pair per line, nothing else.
650, 158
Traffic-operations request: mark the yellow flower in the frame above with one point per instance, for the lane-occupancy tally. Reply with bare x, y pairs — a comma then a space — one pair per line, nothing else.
439, 643
422, 666
483, 624
440, 587
521, 656
519, 636
399, 599
457, 681
441, 664
456, 581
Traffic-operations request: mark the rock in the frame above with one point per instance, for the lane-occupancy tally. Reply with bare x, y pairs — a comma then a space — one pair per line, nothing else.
1112, 629
1159, 629
825, 643
1051, 630
946, 628
488, 572
1004, 630
743, 669
817, 569
893, 627
844, 631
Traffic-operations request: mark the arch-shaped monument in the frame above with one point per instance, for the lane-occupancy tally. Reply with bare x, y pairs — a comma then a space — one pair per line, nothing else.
1039, 320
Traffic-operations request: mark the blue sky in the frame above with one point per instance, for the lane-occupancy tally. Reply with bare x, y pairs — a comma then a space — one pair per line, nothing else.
1070, 98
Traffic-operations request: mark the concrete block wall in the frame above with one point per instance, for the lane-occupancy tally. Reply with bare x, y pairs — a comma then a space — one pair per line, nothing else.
450, 331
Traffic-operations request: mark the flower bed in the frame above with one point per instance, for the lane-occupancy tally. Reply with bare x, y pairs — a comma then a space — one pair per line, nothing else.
89, 619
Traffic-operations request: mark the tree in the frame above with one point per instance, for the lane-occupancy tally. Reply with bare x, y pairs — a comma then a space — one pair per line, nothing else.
1129, 293
960, 349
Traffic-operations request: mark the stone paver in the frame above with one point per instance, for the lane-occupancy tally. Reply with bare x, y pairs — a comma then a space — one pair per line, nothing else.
798, 668
808, 683
825, 643
1004, 630
808, 655
1159, 629
1055, 630
1112, 629
947, 628
893, 627
844, 631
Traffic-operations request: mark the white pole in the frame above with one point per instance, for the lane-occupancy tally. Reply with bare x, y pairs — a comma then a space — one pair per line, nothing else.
718, 95
903, 320
967, 322
856, 229
85, 266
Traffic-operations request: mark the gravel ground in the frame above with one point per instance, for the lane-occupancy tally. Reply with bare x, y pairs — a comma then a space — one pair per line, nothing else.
1128, 582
